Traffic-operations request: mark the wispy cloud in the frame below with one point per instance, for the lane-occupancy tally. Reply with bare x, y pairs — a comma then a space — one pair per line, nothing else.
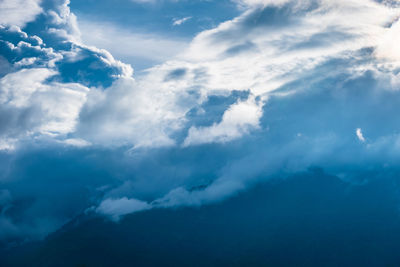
177, 22
130, 46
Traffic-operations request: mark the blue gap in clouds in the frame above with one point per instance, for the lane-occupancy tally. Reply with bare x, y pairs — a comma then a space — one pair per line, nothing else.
158, 17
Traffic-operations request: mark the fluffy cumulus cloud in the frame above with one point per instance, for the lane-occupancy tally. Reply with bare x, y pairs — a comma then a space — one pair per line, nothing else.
19, 12
239, 119
46, 79
29, 106
284, 86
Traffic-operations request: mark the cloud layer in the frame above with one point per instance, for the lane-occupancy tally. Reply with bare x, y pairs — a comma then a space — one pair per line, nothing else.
282, 87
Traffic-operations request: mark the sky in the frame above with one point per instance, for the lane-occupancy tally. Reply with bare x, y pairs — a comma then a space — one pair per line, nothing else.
112, 108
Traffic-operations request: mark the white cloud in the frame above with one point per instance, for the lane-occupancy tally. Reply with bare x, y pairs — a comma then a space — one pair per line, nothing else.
63, 22
19, 12
139, 113
76, 142
115, 208
388, 48
177, 22
148, 111
255, 3
7, 144
17, 88
237, 121
128, 45
53, 108
360, 135
264, 58
28, 61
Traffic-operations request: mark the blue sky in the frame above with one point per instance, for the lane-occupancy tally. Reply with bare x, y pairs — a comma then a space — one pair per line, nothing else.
117, 107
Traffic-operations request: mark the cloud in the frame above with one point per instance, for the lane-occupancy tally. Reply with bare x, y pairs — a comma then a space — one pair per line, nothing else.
386, 45
360, 135
271, 61
237, 121
268, 94
19, 12
130, 113
287, 46
7, 144
118, 207
132, 47
76, 142
45, 81
31, 106
177, 22
74, 61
